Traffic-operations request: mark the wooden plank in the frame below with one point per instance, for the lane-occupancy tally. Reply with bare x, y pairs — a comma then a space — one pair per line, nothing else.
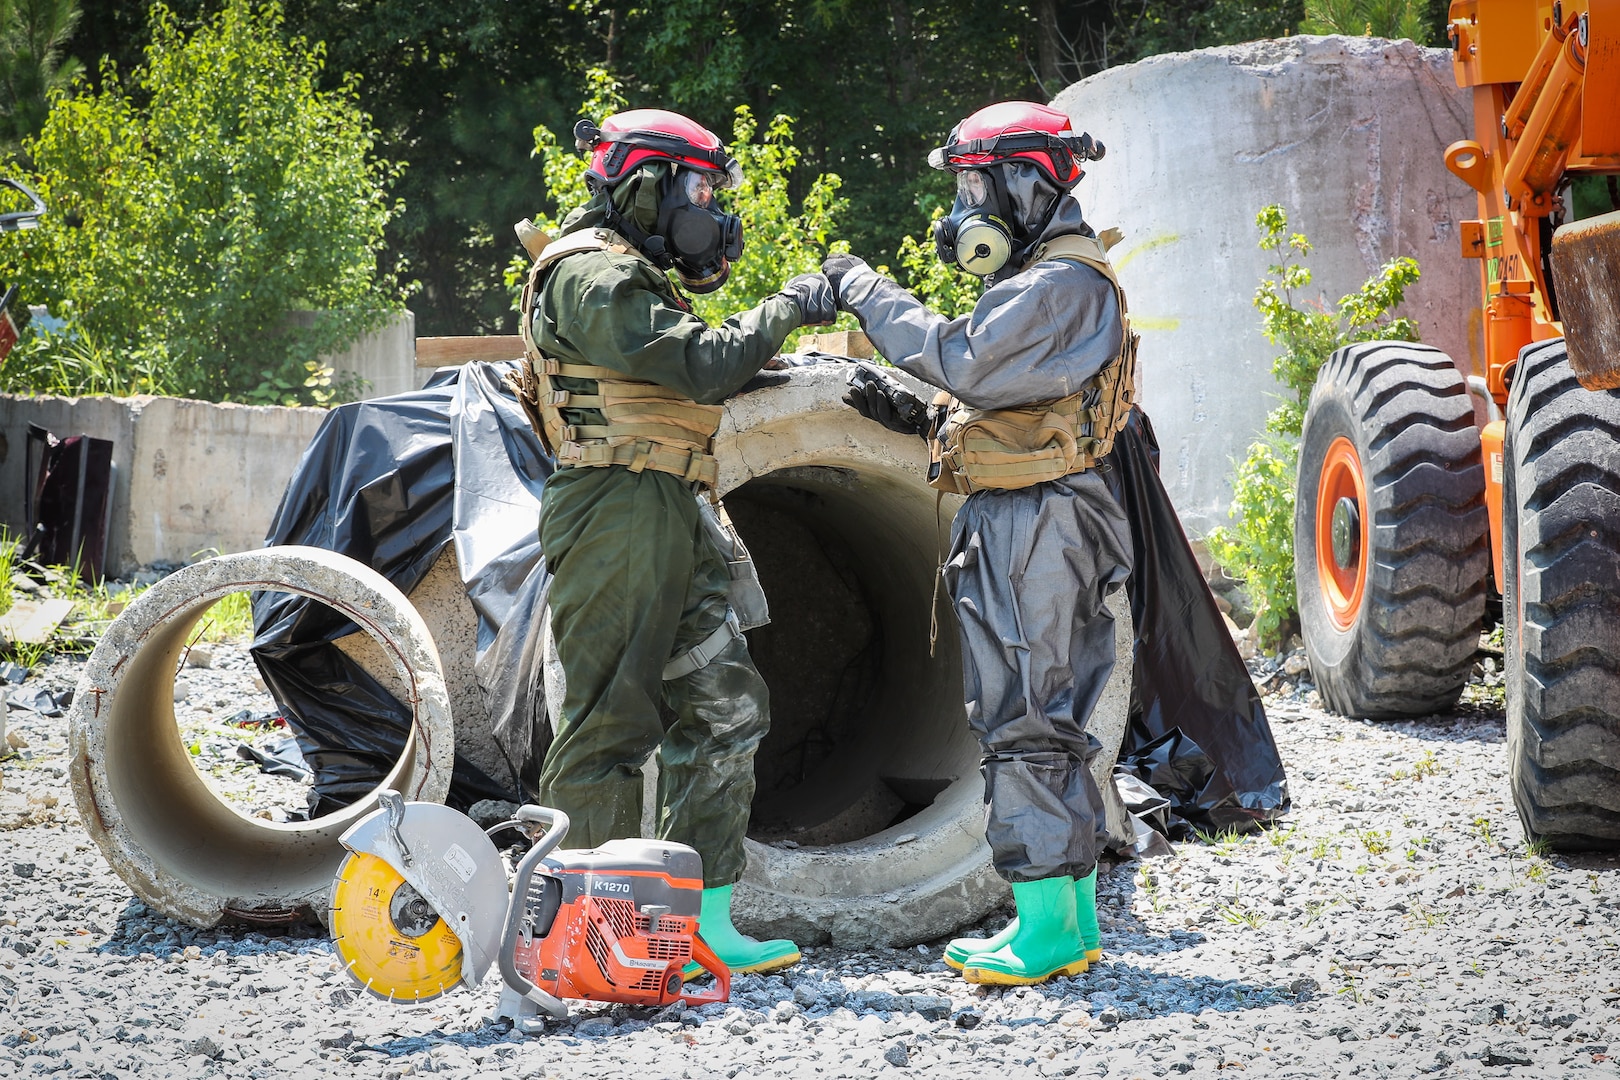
32, 622
851, 343
432, 352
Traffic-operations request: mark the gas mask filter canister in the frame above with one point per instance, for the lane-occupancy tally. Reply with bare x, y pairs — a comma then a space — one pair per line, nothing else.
970, 236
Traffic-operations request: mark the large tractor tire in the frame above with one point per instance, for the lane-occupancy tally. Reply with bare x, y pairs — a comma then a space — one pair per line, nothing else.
1390, 531
1561, 602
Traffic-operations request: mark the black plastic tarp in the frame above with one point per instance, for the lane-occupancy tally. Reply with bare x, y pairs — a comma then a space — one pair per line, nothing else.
389, 483
1195, 711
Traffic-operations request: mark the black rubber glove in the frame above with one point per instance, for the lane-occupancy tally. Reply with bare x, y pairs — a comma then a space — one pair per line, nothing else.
761, 381
878, 397
813, 294
835, 267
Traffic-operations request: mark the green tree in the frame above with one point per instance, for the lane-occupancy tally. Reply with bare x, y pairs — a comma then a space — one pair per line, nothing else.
1259, 545
1099, 34
1377, 18
219, 226
33, 34
456, 88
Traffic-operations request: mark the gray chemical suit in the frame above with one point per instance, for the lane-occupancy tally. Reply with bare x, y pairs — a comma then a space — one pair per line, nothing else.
1029, 569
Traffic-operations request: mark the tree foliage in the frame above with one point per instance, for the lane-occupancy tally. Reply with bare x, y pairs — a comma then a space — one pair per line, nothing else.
33, 65
780, 239
455, 90
1259, 545
945, 289
1377, 18
218, 226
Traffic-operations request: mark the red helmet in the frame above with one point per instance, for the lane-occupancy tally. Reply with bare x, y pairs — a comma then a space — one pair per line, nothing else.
627, 140
1019, 129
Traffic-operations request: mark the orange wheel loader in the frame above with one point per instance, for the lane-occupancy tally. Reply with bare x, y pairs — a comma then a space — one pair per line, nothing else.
1426, 489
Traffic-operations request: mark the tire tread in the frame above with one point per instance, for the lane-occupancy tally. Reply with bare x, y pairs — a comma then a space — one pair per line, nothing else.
1563, 667
1426, 585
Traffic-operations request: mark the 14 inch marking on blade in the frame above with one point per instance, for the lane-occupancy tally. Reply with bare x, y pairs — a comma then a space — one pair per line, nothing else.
388, 936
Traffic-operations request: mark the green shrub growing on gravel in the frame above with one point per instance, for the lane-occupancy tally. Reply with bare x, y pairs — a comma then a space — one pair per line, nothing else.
1259, 546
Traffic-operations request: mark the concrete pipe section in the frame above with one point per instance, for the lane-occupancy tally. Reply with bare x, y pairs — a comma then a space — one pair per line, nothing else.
868, 823
177, 845
1349, 134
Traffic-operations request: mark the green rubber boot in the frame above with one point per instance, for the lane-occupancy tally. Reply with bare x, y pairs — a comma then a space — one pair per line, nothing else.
1046, 944
957, 952
1085, 914
739, 952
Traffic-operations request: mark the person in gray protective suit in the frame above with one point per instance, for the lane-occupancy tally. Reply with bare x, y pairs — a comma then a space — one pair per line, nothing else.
1037, 380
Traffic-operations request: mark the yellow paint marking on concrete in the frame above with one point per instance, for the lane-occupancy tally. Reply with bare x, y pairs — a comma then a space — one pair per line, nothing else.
1155, 322
1149, 244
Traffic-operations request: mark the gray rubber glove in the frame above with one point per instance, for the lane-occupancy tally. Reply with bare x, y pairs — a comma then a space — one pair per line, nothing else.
813, 294
835, 267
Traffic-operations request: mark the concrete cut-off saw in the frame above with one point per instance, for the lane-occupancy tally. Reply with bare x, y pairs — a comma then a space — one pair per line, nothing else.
422, 904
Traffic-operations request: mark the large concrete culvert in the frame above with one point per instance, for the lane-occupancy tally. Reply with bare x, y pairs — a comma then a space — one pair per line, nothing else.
1349, 134
868, 823
173, 841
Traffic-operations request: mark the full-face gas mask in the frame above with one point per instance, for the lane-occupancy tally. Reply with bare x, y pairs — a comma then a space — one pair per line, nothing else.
672, 214
999, 214
701, 239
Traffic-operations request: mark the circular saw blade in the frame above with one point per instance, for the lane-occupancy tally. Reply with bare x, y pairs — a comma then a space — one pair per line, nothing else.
388, 937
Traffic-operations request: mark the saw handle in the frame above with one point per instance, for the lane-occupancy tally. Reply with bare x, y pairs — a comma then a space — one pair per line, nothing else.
536, 822
556, 823
705, 957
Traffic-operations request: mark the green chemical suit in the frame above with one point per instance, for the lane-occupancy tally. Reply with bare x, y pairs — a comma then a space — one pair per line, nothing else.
636, 580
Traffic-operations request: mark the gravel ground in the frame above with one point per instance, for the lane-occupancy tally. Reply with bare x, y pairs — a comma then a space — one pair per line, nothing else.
1394, 925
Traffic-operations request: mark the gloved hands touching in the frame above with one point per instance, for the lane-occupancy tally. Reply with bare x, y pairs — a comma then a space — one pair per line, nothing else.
818, 305
878, 396
835, 267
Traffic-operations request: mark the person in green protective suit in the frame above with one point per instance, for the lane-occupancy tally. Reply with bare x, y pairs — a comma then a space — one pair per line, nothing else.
623, 383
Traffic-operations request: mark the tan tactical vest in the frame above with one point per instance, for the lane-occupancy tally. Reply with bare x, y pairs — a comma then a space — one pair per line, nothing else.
647, 426
976, 449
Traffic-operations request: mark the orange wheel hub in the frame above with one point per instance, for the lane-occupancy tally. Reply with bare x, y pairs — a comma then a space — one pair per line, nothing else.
1341, 532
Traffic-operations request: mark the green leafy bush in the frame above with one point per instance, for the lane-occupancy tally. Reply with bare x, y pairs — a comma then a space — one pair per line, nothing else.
1259, 546
946, 289
780, 240
214, 231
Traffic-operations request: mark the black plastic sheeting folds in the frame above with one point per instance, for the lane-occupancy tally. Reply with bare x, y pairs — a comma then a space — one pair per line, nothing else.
1198, 733
390, 482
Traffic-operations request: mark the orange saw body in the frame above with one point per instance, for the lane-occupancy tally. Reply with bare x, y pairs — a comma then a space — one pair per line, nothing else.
423, 904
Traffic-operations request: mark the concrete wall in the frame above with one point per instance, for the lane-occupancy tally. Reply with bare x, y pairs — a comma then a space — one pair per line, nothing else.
385, 358
193, 475
190, 475
1348, 134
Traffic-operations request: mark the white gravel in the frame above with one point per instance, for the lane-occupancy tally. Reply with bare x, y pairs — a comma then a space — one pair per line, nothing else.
1394, 925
